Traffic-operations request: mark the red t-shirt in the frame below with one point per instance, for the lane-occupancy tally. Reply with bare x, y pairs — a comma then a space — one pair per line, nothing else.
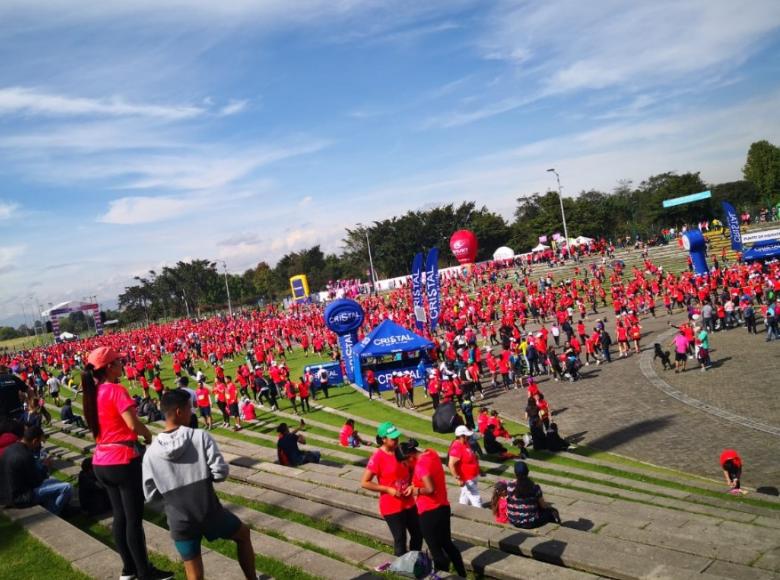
345, 434
232, 394
202, 395
429, 464
468, 466
390, 472
219, 391
112, 401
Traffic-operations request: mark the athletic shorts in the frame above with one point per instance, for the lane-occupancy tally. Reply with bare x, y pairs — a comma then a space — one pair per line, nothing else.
224, 526
205, 411
233, 409
680, 356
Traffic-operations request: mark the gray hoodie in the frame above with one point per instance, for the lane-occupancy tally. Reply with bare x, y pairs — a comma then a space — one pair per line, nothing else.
181, 466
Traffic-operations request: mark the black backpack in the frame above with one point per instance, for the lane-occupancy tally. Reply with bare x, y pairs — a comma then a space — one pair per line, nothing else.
445, 418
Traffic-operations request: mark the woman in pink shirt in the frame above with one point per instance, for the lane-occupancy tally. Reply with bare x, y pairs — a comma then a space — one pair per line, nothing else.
111, 415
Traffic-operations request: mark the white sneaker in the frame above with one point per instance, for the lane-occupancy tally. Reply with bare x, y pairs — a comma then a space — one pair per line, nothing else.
128, 577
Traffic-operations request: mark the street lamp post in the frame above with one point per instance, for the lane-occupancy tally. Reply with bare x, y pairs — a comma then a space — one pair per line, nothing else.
227, 287
563, 213
370, 262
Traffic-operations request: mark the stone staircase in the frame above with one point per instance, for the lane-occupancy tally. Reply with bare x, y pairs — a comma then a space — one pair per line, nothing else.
632, 523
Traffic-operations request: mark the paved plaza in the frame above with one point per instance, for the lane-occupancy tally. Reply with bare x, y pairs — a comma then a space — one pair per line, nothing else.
617, 408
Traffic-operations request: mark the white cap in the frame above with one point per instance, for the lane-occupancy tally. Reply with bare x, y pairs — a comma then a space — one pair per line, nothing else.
462, 430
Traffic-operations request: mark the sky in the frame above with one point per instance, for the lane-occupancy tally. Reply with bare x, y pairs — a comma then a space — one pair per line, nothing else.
137, 133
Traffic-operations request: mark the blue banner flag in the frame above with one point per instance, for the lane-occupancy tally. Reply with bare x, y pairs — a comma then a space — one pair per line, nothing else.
433, 287
732, 221
687, 199
417, 289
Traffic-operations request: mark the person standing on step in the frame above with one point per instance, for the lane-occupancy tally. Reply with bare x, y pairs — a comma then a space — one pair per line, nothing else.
204, 403
464, 466
180, 468
393, 482
322, 375
429, 488
110, 413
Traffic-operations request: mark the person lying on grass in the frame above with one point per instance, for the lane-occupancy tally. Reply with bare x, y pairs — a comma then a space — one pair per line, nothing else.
181, 466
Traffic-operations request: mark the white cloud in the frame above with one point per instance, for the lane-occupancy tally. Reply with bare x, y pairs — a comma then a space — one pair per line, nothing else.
9, 256
143, 210
569, 46
233, 107
305, 201
28, 101
7, 209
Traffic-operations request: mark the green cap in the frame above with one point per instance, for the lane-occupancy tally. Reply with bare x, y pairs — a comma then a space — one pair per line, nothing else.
387, 429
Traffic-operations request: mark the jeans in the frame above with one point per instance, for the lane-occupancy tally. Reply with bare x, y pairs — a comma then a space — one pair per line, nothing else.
124, 486
435, 526
53, 494
400, 523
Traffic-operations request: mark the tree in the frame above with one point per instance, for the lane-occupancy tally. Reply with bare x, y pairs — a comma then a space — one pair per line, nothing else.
762, 168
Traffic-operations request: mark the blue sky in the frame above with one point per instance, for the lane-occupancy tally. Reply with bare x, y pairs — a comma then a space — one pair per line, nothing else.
137, 133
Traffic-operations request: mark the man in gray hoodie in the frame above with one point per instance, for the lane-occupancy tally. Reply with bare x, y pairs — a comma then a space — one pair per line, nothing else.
181, 466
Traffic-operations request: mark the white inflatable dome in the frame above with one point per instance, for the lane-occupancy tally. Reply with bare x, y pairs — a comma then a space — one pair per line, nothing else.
503, 253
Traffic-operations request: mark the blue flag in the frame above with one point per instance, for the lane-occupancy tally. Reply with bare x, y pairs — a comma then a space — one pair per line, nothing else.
433, 287
417, 289
732, 221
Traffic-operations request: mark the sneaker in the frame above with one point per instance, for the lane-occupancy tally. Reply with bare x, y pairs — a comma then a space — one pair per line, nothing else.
735, 491
157, 574
127, 577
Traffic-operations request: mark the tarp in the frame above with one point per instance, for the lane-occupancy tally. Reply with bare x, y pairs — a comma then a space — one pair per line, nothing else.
763, 250
504, 253
67, 336
390, 338
540, 248
581, 241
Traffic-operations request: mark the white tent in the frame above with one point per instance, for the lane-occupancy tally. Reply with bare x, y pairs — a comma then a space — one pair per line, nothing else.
503, 253
540, 248
67, 336
581, 241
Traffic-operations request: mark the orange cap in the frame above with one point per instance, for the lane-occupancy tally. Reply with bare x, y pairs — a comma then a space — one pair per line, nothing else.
102, 357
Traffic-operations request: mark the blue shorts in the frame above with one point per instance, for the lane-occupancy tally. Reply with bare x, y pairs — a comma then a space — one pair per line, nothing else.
224, 526
205, 411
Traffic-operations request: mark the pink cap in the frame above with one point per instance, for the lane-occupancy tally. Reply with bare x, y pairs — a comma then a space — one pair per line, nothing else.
102, 357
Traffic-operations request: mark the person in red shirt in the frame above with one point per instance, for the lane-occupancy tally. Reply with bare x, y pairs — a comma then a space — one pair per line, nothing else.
303, 393
291, 394
349, 437
393, 482
464, 466
158, 385
220, 392
731, 464
203, 399
110, 413
371, 384
429, 487
231, 398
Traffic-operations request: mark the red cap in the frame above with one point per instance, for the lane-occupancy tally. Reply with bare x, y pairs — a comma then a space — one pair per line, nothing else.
102, 357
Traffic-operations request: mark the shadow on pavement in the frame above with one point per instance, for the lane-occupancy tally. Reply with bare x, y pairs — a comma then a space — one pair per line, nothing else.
625, 434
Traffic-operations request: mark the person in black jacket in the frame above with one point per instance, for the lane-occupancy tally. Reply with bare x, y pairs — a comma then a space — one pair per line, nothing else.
23, 482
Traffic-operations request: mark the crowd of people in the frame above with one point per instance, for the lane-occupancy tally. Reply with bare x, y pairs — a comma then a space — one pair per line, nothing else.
485, 344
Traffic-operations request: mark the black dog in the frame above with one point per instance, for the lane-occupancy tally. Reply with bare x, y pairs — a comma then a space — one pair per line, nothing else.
663, 355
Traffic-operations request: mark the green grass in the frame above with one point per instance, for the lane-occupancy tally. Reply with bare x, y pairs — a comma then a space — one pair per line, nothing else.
103, 534
26, 342
24, 557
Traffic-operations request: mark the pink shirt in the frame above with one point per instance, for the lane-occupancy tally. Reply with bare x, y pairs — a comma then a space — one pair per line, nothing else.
680, 343
112, 401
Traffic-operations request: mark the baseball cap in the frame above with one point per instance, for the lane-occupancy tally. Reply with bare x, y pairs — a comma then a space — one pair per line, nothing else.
103, 356
409, 447
462, 430
387, 429
521, 469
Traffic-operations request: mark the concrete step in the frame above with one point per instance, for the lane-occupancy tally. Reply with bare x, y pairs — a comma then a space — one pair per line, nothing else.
84, 552
584, 551
491, 563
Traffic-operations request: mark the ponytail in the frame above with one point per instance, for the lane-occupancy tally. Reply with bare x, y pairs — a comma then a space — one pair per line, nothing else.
90, 387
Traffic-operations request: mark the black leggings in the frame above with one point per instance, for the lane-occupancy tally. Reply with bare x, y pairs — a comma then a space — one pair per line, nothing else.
124, 487
399, 524
435, 526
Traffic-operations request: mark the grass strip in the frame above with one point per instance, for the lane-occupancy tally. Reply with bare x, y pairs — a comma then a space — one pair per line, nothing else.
25, 557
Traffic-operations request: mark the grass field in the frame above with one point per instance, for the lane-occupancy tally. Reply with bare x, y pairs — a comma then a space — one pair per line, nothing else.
25, 342
23, 556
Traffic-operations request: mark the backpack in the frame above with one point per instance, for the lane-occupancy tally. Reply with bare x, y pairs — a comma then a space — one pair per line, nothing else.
413, 564
444, 418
